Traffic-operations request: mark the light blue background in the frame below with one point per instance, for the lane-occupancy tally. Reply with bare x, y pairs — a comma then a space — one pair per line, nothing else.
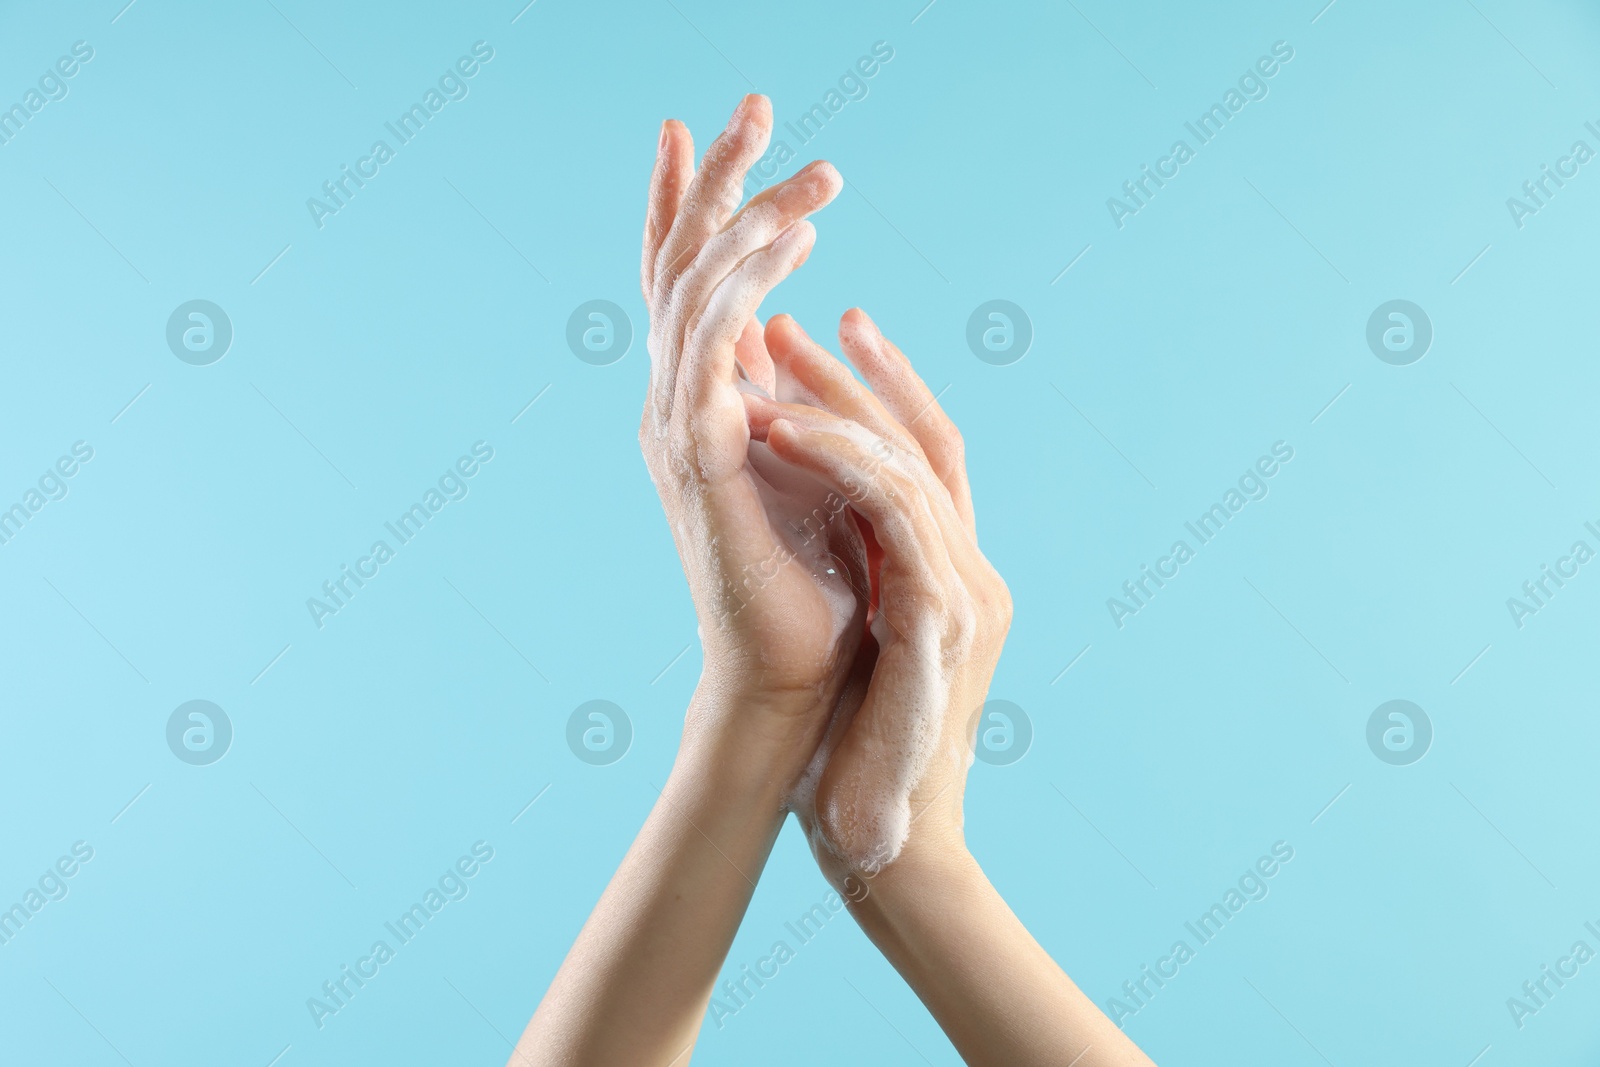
1223, 317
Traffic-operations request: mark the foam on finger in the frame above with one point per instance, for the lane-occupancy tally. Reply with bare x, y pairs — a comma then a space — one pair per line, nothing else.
707, 374
903, 394
717, 187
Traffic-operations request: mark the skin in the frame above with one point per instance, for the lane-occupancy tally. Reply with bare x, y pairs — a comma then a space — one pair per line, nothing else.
841, 664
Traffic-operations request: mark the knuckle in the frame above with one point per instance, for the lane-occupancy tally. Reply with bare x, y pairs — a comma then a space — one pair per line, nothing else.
962, 631
953, 445
916, 602
956, 443
674, 261
895, 437
998, 604
895, 486
756, 225
679, 452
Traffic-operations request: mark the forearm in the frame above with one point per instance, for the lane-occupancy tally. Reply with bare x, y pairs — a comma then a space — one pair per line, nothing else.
634, 987
998, 995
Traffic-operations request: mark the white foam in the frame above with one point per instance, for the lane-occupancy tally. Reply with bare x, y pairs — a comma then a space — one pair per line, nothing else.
910, 700
883, 369
911, 692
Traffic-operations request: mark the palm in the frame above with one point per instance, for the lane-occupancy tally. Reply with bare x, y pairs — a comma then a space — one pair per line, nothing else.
790, 609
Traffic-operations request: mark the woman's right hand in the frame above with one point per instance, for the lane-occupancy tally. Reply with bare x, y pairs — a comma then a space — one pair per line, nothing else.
892, 771
889, 779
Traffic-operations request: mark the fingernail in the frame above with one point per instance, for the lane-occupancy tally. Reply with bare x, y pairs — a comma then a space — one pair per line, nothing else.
746, 106
661, 145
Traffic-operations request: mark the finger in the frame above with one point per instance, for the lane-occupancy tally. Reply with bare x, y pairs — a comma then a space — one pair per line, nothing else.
921, 629
754, 227
830, 382
668, 184
761, 412
917, 578
911, 402
706, 375
751, 352
836, 390
717, 187
818, 170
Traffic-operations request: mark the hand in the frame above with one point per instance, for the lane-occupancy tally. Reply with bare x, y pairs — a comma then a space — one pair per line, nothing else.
892, 772
778, 509
778, 621
778, 628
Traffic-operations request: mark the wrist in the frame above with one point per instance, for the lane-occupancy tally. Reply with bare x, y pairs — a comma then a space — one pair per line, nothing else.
747, 745
934, 877
934, 860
